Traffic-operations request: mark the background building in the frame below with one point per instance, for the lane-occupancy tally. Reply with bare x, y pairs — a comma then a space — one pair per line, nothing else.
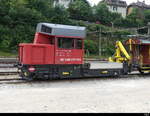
64, 3
117, 6
140, 5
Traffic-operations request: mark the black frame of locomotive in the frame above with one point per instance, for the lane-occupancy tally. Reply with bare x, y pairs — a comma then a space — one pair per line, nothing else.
51, 72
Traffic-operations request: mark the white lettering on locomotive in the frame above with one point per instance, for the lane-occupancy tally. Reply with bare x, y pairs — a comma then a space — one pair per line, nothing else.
70, 59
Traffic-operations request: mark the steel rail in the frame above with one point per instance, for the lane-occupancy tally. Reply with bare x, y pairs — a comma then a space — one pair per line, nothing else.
9, 73
21, 81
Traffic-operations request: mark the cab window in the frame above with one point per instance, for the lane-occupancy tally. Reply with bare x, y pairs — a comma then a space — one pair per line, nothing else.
51, 41
66, 43
78, 44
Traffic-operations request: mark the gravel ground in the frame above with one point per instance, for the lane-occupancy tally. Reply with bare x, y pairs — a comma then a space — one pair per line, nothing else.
96, 95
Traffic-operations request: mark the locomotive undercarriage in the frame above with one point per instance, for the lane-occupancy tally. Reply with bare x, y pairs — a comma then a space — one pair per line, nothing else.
45, 72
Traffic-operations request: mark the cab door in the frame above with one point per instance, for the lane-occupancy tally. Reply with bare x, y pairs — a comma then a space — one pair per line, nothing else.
66, 51
145, 52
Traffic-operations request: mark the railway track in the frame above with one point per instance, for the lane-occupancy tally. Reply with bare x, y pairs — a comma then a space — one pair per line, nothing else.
13, 81
7, 69
7, 66
17, 80
9, 73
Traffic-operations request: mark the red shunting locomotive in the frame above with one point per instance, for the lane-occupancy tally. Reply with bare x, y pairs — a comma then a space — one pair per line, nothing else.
56, 53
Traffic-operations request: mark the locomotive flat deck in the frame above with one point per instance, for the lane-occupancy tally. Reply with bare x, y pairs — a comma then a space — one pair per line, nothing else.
105, 65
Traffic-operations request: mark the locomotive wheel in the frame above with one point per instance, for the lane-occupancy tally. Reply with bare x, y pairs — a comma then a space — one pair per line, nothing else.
142, 72
26, 76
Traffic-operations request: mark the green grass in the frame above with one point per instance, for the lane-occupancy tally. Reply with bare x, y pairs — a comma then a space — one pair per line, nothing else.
7, 54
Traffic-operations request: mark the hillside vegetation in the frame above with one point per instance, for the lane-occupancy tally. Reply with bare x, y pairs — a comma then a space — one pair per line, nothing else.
19, 19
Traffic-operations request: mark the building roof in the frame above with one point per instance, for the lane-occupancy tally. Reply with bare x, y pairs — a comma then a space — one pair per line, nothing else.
140, 4
61, 30
116, 3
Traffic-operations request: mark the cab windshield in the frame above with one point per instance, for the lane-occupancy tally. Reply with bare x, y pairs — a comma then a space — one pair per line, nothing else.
70, 43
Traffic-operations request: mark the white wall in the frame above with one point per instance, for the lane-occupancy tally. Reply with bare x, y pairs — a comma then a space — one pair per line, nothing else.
121, 10
64, 3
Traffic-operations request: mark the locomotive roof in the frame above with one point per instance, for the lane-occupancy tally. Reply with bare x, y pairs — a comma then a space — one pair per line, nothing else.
61, 30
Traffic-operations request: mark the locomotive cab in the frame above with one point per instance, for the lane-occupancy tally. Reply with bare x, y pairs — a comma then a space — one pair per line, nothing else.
54, 44
54, 47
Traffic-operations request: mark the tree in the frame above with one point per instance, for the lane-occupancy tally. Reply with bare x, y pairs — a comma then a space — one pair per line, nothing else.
43, 6
80, 10
91, 46
147, 16
135, 19
60, 15
102, 14
115, 16
17, 23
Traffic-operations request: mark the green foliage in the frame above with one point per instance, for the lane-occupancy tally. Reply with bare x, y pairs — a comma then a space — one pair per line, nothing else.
121, 34
43, 6
60, 16
135, 19
80, 10
147, 16
19, 19
102, 13
104, 16
91, 46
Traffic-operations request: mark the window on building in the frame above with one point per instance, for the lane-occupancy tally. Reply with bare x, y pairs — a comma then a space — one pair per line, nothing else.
115, 8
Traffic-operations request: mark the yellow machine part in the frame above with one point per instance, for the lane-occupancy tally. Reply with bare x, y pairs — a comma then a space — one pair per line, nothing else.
117, 57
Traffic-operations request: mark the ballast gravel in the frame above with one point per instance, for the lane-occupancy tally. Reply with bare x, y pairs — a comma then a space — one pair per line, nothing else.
92, 95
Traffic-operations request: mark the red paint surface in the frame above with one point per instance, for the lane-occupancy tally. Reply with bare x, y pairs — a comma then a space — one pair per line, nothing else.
36, 54
44, 50
140, 52
145, 54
